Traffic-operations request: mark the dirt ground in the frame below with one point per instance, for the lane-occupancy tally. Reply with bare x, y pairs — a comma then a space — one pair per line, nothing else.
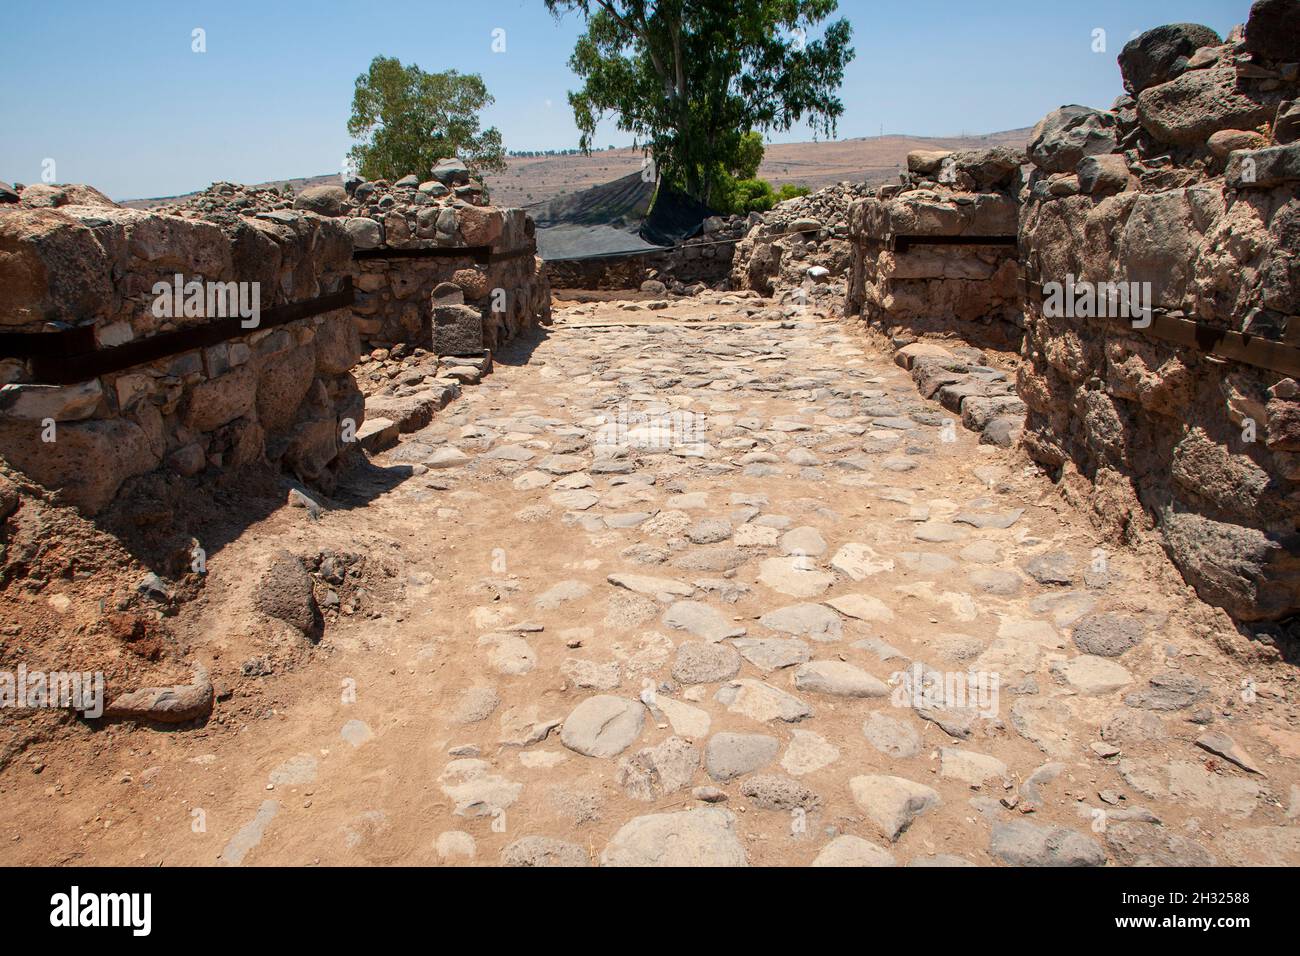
600, 633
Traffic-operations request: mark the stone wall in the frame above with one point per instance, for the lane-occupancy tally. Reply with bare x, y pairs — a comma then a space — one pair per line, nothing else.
800, 244
1191, 184
279, 393
509, 288
70, 259
903, 288
394, 304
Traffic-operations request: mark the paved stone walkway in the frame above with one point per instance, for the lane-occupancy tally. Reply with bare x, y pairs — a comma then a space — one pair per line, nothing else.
734, 593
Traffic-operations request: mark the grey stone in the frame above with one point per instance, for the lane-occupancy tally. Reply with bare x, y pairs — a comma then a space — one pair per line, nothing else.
1160, 54
813, 621
1108, 634
704, 837
1169, 690
655, 771
849, 850
772, 653
457, 330
1149, 844
892, 803
774, 791
603, 726
1263, 168
1052, 567
891, 736
1273, 29
1068, 134
285, 592
365, 233
838, 679
544, 851
699, 663
730, 755
1187, 110
701, 620
1021, 843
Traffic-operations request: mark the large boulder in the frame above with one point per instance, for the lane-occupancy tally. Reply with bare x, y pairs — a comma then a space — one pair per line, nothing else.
1159, 55
322, 200
1186, 111
87, 462
451, 172
1251, 574
52, 267
1273, 29
45, 195
1066, 135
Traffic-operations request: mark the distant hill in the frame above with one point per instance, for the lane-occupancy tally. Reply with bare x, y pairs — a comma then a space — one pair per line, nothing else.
536, 179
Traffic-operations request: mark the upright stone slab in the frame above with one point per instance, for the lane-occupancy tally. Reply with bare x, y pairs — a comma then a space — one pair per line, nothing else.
457, 330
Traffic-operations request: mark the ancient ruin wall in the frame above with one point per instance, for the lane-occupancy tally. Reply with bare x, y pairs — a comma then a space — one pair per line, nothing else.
101, 385
506, 282
82, 281
919, 266
1188, 423
800, 244
409, 238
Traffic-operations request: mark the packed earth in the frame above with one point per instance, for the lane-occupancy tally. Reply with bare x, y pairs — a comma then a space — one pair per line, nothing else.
704, 581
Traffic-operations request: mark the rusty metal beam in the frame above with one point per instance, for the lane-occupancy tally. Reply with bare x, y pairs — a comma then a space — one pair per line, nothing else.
483, 255
69, 356
1254, 350
904, 243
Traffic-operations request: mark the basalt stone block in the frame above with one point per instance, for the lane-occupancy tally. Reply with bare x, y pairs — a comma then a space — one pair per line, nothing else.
323, 200
87, 463
1273, 29
1066, 135
282, 385
451, 172
1161, 54
457, 330
1263, 168
1188, 110
366, 233
1103, 175
1250, 573
1286, 125
926, 161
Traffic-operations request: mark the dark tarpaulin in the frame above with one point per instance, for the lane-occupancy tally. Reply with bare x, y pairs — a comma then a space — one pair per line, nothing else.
674, 217
612, 218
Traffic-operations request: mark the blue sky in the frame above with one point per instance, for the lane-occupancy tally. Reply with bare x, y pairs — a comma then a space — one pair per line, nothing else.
113, 93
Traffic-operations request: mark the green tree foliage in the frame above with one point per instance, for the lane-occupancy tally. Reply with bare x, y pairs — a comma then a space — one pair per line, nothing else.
741, 196
692, 78
738, 189
410, 119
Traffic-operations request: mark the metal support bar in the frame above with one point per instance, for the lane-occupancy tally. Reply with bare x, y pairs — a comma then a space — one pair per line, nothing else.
1240, 347
904, 243
483, 255
69, 356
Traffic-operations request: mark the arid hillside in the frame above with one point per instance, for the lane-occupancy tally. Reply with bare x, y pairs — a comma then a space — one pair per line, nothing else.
531, 180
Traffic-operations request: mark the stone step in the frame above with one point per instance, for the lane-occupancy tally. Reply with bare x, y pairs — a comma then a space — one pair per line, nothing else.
376, 434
